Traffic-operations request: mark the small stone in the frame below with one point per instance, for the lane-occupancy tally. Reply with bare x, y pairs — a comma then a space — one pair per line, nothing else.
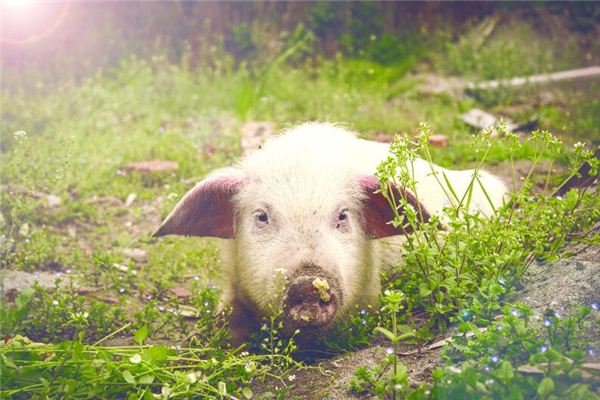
438, 141
145, 167
11, 295
130, 199
180, 292
479, 119
483, 120
72, 232
85, 290
110, 299
138, 255
382, 138
53, 201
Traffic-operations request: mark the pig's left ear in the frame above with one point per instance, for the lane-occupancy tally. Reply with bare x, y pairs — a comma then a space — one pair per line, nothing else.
377, 212
206, 210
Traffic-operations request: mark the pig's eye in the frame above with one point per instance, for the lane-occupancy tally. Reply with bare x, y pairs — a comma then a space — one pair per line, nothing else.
262, 218
342, 221
343, 215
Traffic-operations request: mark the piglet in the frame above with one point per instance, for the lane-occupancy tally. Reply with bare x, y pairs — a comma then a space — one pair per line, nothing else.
306, 210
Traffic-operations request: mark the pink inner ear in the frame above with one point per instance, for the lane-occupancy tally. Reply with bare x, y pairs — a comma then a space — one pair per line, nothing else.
206, 210
377, 212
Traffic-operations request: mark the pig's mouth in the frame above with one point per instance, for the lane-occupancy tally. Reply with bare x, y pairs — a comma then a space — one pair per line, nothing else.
312, 301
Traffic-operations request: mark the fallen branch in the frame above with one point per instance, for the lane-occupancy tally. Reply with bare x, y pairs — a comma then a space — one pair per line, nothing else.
580, 73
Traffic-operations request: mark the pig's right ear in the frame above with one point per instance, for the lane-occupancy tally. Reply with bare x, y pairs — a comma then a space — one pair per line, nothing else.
378, 214
206, 210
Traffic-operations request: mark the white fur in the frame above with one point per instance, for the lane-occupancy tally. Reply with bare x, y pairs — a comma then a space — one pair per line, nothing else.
304, 178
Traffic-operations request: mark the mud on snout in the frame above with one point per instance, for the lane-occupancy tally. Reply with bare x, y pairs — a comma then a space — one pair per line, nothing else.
312, 301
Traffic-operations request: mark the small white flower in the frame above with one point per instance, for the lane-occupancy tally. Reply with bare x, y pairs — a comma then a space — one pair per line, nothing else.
292, 378
135, 359
192, 378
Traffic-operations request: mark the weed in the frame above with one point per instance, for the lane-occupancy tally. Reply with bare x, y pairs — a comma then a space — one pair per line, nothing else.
396, 381
467, 271
521, 355
270, 339
61, 314
445, 271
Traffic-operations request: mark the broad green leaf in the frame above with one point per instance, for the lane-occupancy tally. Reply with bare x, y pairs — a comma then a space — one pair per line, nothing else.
546, 387
247, 393
505, 371
24, 297
141, 334
155, 355
128, 377
146, 379
385, 332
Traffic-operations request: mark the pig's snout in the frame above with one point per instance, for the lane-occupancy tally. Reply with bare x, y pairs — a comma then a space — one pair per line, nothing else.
312, 301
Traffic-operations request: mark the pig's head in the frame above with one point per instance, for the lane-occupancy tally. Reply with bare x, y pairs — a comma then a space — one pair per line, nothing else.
312, 221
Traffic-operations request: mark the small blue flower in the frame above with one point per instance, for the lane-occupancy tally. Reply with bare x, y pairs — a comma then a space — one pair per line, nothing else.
495, 358
466, 315
514, 312
595, 306
591, 351
543, 348
486, 368
548, 322
557, 314
498, 327
363, 312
